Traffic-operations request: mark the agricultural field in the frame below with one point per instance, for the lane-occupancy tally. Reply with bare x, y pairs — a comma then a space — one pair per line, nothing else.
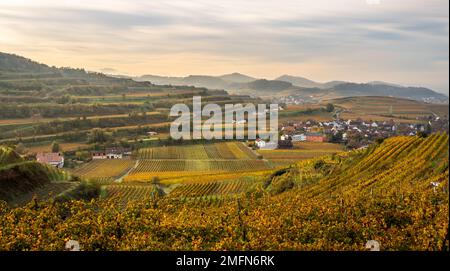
168, 162
44, 192
305, 112
122, 194
386, 108
216, 188
169, 169
301, 151
104, 170
48, 147
222, 150
394, 192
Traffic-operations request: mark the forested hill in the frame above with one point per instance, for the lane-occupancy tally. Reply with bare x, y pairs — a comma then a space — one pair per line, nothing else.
17, 67
24, 80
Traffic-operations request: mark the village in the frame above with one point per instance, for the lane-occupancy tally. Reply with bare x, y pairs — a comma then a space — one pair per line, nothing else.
353, 133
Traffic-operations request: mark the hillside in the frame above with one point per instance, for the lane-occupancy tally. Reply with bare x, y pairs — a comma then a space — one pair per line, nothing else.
371, 89
376, 107
237, 78
15, 63
21, 76
19, 177
394, 192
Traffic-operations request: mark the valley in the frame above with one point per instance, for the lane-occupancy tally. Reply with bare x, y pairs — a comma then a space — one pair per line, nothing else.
86, 156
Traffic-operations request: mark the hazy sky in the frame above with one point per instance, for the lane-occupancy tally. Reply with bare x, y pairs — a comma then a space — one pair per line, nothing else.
399, 41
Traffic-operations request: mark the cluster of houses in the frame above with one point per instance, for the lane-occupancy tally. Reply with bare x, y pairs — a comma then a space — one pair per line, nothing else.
355, 133
111, 153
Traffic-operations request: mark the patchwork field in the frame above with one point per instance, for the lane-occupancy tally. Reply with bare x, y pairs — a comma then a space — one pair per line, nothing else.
48, 147
104, 171
386, 108
301, 151
223, 150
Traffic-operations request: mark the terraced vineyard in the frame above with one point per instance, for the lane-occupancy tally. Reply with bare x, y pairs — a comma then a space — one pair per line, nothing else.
8, 156
104, 170
44, 192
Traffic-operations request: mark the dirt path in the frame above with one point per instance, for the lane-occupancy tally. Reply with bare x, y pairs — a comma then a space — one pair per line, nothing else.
120, 179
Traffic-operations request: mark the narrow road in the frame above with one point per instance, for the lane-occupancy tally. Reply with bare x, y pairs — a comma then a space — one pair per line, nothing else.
120, 179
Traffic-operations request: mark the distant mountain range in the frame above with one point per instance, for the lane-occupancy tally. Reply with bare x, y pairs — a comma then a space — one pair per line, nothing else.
298, 86
237, 83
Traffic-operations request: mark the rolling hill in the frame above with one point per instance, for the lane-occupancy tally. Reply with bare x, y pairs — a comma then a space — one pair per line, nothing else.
19, 177
13, 66
301, 87
394, 192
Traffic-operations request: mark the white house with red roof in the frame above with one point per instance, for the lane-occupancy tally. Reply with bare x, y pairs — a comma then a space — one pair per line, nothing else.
51, 158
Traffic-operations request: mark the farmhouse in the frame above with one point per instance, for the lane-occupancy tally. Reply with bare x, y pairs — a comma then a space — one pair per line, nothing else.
52, 158
111, 153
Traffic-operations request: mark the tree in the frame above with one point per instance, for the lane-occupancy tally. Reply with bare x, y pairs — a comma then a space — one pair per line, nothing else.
335, 138
56, 147
98, 136
330, 107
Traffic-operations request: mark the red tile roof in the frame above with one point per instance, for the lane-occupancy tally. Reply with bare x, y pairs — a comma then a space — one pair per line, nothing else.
50, 157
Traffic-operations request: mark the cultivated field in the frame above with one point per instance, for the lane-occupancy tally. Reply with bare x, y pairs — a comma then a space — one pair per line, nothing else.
301, 151
104, 170
386, 108
223, 150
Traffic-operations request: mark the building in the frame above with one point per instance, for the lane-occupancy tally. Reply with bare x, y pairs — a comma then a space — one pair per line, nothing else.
51, 158
315, 137
269, 146
260, 143
111, 153
297, 138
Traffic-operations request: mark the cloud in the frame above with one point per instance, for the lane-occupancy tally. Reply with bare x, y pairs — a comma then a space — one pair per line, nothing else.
401, 41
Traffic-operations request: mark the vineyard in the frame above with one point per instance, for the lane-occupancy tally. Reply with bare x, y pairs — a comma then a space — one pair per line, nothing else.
170, 162
8, 156
301, 151
104, 171
123, 194
394, 192
219, 188
147, 169
223, 150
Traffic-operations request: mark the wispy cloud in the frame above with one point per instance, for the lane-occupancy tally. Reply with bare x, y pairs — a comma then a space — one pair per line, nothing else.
402, 41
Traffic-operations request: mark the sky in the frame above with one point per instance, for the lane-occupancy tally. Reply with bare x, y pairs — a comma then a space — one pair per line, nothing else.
398, 41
